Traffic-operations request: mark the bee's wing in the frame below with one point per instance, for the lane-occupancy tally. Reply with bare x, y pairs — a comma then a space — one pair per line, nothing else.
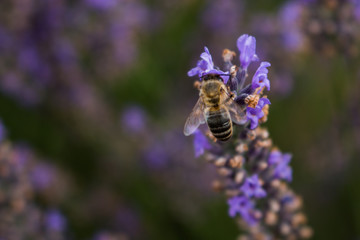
195, 119
237, 113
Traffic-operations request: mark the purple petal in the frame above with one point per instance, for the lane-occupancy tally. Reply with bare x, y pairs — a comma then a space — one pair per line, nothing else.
247, 47
252, 187
192, 72
207, 57
55, 221
260, 77
201, 143
275, 157
263, 101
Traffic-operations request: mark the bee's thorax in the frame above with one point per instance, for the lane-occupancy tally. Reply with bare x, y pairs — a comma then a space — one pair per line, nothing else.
210, 92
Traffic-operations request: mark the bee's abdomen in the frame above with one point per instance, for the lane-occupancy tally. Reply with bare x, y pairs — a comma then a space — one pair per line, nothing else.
220, 124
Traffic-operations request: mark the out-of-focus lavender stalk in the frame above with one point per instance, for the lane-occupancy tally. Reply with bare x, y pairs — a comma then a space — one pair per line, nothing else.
332, 26
23, 178
255, 174
57, 49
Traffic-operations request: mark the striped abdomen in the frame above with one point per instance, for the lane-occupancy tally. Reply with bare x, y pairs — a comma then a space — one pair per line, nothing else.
219, 123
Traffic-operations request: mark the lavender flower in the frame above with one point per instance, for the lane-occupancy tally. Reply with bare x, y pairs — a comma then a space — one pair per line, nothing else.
102, 4
244, 207
156, 156
260, 78
225, 16
257, 113
290, 19
54, 51
42, 176
253, 169
2, 131
332, 27
252, 187
20, 217
276, 157
201, 143
55, 221
283, 170
247, 47
134, 119
356, 4
205, 66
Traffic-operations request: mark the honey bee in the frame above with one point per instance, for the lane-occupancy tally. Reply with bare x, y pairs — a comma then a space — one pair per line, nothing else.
216, 108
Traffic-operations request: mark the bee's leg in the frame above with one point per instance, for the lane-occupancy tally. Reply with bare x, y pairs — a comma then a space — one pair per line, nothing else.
232, 95
211, 136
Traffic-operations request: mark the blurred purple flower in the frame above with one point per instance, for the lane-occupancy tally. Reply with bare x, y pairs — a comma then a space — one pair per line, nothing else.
260, 78
356, 4
243, 206
101, 4
239, 204
200, 143
2, 131
156, 156
282, 169
247, 47
15, 86
134, 119
282, 83
290, 15
254, 114
42, 176
252, 187
225, 16
22, 156
276, 157
55, 221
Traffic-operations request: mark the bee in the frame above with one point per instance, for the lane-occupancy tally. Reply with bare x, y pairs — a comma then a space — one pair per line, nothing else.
216, 108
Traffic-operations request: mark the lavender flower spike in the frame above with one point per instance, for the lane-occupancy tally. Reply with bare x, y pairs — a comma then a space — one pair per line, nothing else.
254, 173
247, 47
